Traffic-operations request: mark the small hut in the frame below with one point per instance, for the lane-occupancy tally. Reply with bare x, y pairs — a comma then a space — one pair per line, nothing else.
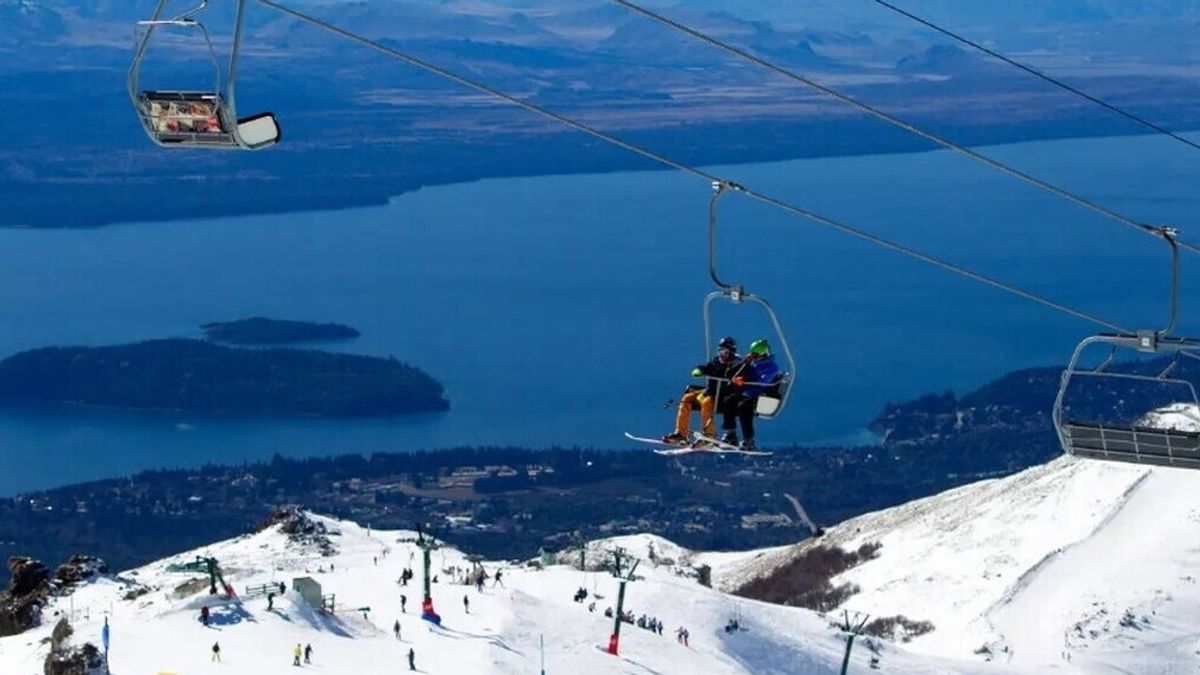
310, 590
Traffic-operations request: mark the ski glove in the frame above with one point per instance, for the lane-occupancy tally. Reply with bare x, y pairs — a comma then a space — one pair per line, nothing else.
696, 372
739, 381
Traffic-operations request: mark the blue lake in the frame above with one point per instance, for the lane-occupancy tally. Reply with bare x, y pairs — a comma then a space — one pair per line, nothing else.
564, 310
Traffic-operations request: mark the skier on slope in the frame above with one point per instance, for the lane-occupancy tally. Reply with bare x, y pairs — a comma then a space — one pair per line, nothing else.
755, 375
296, 651
396, 629
704, 397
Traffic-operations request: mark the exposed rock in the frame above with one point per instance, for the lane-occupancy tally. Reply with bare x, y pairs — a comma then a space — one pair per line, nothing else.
27, 575
300, 529
80, 568
67, 660
21, 603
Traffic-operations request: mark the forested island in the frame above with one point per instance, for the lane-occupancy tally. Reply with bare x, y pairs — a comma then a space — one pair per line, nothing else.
195, 375
263, 331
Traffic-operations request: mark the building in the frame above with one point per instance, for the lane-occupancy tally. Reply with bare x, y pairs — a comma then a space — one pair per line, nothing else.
310, 590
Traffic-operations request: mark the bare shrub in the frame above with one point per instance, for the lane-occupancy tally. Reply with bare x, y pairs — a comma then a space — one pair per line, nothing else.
898, 628
804, 581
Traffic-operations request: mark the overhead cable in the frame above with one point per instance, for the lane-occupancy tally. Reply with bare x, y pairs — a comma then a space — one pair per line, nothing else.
696, 172
1153, 230
1037, 73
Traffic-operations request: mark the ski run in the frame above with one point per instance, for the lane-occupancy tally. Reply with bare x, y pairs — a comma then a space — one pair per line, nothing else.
1071, 567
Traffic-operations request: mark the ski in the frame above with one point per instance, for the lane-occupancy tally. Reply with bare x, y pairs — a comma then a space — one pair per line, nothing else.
672, 449
700, 443
722, 446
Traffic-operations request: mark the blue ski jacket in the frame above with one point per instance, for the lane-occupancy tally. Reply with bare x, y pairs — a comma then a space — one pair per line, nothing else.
763, 369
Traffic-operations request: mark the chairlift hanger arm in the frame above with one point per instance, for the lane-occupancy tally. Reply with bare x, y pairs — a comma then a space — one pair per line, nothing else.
719, 188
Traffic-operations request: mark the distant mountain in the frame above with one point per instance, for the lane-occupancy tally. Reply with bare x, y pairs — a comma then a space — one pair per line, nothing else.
948, 60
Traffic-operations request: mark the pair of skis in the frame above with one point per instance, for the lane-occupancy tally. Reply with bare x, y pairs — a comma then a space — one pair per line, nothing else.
700, 443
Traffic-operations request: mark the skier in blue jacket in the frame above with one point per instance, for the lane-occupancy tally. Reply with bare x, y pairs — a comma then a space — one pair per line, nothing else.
757, 375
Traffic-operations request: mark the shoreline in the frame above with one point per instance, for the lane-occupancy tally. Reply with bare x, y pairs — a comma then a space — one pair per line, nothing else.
279, 197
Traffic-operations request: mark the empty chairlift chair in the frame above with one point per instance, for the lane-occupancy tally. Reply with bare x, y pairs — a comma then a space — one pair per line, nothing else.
1130, 425
197, 119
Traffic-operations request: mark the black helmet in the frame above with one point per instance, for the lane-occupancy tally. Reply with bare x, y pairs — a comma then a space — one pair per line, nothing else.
727, 343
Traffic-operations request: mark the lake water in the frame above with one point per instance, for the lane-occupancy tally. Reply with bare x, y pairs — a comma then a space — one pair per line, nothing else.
565, 310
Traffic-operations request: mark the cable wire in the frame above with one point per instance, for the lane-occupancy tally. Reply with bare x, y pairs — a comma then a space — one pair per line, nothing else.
1036, 73
699, 173
907, 126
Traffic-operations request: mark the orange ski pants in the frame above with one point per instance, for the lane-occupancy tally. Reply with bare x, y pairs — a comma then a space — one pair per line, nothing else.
695, 398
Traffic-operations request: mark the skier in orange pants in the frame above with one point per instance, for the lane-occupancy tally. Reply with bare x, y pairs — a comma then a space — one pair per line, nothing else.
704, 398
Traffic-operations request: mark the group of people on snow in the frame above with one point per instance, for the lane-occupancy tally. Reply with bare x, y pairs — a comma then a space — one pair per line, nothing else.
734, 384
297, 652
651, 624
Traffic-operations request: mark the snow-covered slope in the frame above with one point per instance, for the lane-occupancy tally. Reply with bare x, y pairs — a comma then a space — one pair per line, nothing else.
1076, 566
160, 631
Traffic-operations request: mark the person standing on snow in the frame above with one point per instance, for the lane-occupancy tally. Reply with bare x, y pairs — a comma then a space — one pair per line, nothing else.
704, 397
216, 652
412, 659
466, 604
496, 579
396, 628
296, 655
308, 653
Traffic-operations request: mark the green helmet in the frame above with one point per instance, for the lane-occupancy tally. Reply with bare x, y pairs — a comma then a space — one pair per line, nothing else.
760, 348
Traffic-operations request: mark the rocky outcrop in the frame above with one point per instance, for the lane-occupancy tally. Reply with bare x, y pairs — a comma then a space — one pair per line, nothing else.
64, 659
295, 523
78, 569
21, 603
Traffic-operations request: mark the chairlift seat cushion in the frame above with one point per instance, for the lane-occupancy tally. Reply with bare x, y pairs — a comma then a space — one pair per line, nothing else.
1137, 445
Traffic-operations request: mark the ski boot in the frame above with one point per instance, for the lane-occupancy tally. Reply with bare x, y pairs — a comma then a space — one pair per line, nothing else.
675, 438
730, 438
748, 445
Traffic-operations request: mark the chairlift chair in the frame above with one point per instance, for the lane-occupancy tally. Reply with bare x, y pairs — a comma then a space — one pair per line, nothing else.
771, 403
1133, 441
197, 119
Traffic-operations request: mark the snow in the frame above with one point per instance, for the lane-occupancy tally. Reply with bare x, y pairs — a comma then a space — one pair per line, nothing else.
160, 631
1177, 416
1076, 566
